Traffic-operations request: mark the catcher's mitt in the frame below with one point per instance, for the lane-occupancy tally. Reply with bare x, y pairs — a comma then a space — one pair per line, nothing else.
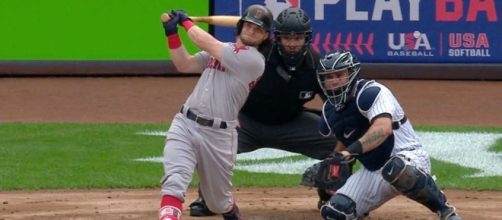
329, 174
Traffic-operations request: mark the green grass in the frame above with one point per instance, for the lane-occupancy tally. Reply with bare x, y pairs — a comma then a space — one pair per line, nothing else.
65, 156
459, 129
36, 156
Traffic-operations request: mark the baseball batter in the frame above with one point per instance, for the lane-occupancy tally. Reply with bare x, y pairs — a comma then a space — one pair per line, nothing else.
274, 115
371, 126
203, 134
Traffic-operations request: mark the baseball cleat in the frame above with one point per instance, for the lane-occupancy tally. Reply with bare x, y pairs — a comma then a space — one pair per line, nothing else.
199, 208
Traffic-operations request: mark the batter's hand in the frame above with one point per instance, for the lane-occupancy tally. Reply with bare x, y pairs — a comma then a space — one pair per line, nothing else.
170, 26
182, 15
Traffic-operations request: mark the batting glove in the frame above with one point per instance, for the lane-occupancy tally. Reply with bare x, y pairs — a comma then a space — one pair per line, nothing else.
170, 27
182, 15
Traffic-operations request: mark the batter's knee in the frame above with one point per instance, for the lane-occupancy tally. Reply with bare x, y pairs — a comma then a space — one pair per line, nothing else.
339, 207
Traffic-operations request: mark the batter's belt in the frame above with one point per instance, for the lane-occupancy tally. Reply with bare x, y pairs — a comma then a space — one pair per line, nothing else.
200, 120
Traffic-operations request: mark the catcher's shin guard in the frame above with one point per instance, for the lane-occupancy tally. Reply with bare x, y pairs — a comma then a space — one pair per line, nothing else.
417, 185
339, 207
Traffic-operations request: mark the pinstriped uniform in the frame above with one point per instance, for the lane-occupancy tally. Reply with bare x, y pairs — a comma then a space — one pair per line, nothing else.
366, 187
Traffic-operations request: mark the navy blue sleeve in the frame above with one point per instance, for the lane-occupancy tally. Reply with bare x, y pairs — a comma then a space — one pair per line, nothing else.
367, 98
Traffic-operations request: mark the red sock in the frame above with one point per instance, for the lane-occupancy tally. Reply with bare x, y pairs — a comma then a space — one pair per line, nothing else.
172, 201
170, 206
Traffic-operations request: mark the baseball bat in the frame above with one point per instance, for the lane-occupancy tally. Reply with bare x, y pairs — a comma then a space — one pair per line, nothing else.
218, 20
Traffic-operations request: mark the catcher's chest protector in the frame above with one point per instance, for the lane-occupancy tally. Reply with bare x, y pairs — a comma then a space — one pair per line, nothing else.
349, 125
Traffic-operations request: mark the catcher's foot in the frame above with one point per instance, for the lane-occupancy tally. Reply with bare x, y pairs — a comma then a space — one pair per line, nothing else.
199, 208
449, 214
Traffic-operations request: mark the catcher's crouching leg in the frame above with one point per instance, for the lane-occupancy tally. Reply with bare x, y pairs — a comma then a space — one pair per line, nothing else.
418, 186
339, 207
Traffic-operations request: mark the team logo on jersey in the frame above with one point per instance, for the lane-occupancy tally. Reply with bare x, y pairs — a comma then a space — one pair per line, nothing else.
306, 95
213, 63
238, 48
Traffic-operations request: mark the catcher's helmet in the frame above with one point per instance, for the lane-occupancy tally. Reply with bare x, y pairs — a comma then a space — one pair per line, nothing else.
335, 62
256, 14
293, 21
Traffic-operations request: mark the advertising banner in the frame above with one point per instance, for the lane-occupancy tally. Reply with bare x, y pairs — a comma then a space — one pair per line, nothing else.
397, 31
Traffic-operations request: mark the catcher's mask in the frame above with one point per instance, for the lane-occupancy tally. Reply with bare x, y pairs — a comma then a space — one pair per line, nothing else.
337, 73
256, 14
293, 22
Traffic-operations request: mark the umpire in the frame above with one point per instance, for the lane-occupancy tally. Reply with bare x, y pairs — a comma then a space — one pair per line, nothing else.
274, 115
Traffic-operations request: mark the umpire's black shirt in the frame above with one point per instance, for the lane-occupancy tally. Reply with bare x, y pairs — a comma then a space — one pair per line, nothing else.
280, 94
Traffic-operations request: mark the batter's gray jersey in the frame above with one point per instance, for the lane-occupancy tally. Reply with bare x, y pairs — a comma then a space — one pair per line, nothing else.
368, 189
224, 87
218, 96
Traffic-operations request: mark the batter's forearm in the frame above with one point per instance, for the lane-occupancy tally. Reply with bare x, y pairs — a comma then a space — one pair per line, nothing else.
206, 42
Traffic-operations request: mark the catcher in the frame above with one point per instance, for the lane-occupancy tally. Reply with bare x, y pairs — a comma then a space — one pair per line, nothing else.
367, 118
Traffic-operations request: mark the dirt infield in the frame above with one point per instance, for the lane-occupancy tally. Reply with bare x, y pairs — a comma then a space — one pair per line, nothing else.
156, 99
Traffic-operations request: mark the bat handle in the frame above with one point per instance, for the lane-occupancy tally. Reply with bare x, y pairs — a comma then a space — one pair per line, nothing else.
164, 17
